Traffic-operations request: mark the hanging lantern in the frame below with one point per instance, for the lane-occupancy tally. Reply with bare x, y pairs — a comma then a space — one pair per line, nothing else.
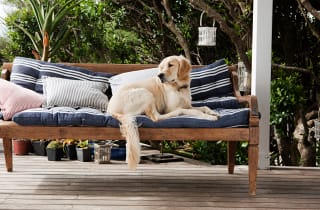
244, 78
207, 35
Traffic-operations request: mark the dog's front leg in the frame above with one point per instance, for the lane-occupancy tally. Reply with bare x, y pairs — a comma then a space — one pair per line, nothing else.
207, 110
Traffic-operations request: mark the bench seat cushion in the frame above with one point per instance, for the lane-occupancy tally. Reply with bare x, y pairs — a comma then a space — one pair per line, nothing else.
67, 116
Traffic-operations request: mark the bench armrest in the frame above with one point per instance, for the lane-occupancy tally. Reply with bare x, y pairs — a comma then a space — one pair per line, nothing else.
5, 72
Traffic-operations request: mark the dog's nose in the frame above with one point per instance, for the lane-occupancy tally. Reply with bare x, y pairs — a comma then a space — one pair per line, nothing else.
161, 77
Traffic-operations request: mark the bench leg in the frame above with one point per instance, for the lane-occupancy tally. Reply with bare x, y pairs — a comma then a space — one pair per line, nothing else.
231, 156
253, 153
7, 149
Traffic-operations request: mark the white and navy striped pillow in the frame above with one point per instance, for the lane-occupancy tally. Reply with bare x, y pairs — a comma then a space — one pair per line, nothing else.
29, 73
25, 72
75, 93
211, 81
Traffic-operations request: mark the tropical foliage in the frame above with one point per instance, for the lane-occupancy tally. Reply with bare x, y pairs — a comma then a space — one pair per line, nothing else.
52, 26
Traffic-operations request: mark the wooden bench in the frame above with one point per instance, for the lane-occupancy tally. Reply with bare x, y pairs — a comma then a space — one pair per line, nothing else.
10, 130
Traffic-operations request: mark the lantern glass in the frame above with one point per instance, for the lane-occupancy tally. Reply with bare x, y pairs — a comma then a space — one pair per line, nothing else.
244, 78
102, 153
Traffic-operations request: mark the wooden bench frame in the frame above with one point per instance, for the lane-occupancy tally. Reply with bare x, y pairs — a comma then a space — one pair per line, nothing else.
10, 130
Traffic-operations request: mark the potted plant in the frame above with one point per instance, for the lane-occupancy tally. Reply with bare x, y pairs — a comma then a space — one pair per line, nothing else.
118, 150
21, 146
69, 148
55, 150
39, 146
83, 151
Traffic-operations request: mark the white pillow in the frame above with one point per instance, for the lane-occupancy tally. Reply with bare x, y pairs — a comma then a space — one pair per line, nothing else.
129, 77
75, 93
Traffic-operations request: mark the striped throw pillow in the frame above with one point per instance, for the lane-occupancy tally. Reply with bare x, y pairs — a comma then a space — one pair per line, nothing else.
75, 93
211, 81
25, 72
29, 73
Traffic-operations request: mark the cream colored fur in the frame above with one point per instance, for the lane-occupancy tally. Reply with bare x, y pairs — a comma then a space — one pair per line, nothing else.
167, 95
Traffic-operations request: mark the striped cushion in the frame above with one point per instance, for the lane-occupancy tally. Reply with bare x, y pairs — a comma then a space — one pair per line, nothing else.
67, 116
29, 72
25, 72
211, 81
75, 93
227, 102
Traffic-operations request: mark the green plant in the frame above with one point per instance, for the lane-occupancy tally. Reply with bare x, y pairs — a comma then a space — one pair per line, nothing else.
67, 142
54, 144
287, 98
83, 144
52, 29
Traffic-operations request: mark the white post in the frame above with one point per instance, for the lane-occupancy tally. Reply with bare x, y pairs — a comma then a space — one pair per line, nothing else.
261, 72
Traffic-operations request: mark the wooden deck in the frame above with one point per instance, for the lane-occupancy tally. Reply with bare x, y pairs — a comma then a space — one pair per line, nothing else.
40, 184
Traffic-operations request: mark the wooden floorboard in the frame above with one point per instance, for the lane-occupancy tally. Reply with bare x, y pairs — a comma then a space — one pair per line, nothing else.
37, 183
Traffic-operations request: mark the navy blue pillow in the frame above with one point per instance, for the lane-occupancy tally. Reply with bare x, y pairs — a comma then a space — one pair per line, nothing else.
228, 102
69, 72
211, 81
29, 72
25, 72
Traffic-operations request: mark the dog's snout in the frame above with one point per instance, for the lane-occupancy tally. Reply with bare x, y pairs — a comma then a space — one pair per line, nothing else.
161, 77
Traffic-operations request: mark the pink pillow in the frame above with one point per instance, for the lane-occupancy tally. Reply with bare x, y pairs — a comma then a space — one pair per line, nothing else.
14, 98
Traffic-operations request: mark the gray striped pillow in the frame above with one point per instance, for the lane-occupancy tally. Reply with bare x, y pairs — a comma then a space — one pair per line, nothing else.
75, 93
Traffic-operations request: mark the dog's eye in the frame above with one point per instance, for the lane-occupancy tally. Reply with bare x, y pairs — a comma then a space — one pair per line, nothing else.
170, 65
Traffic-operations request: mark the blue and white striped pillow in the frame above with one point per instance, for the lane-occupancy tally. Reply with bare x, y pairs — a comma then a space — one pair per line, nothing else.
211, 81
25, 72
29, 73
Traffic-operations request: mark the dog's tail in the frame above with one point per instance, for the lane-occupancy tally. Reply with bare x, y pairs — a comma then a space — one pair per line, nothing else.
129, 130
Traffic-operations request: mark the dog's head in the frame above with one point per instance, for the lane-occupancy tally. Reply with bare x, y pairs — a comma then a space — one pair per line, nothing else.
175, 70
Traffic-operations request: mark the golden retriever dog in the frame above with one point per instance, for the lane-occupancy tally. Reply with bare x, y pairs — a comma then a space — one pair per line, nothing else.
163, 96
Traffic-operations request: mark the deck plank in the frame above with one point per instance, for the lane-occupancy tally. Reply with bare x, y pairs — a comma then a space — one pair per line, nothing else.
37, 183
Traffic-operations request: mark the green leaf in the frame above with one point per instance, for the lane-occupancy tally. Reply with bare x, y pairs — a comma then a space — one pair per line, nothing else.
34, 42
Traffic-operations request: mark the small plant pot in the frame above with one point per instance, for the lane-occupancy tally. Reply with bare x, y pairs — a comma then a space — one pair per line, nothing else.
118, 153
71, 151
84, 154
21, 146
39, 147
54, 154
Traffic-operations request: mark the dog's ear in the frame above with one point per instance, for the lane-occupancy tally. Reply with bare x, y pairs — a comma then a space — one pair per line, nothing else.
184, 68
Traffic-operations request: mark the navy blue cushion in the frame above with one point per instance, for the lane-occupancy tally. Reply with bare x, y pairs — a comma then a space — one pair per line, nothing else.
29, 72
61, 116
228, 102
67, 116
228, 118
211, 81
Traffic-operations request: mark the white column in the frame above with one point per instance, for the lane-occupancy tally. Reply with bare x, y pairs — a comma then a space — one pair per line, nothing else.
261, 72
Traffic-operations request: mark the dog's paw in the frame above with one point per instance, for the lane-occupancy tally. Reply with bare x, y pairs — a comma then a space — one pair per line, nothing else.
212, 117
207, 110
211, 112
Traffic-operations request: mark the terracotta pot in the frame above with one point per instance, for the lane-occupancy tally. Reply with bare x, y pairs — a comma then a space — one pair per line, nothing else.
21, 146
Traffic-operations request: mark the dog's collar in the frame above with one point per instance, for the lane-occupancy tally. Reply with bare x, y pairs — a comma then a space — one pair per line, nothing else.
183, 87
